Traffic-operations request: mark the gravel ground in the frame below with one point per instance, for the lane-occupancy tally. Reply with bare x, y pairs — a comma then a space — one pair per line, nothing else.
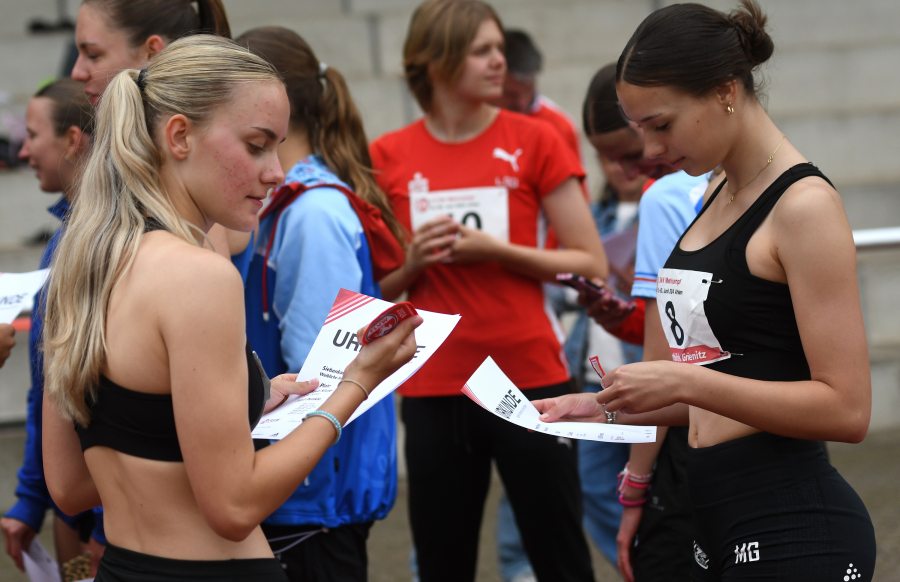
872, 468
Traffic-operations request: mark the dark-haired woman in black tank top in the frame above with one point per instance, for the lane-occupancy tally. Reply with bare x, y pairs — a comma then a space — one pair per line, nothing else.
761, 291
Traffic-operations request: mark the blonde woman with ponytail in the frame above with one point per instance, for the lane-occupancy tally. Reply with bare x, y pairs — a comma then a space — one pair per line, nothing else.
146, 362
329, 227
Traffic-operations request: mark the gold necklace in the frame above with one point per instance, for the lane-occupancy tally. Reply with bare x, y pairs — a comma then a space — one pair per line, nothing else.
772, 157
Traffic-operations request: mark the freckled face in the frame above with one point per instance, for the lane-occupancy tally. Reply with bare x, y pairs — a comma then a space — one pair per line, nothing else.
103, 52
234, 160
683, 130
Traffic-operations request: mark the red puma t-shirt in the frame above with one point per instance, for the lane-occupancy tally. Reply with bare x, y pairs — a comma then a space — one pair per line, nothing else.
503, 313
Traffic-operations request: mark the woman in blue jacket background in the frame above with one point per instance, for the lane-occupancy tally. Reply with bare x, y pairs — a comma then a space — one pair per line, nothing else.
329, 227
58, 120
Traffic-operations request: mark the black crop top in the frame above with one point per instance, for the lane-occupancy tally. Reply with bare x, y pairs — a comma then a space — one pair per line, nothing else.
143, 425
752, 318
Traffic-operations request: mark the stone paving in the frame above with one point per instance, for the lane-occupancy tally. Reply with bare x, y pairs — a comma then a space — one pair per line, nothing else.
872, 468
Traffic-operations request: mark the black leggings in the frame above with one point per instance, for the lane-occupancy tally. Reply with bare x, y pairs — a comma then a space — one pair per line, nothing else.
450, 442
663, 543
768, 507
121, 565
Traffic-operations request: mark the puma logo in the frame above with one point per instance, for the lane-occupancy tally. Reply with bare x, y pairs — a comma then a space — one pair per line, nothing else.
513, 158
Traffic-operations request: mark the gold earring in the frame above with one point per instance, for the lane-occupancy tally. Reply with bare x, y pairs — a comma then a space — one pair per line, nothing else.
729, 109
69, 158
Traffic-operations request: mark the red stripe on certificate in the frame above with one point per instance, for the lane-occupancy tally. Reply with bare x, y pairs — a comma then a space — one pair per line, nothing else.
343, 298
349, 308
346, 302
468, 392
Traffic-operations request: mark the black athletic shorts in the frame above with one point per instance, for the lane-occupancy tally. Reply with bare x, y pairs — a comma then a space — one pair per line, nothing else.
768, 507
121, 565
336, 555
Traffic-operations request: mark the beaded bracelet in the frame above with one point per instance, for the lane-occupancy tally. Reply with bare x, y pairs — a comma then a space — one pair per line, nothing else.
631, 502
626, 478
329, 416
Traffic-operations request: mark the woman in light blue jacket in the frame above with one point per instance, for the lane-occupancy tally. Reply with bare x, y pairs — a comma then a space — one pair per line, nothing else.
328, 228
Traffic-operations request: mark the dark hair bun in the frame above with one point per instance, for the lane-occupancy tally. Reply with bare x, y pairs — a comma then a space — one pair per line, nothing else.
750, 23
697, 48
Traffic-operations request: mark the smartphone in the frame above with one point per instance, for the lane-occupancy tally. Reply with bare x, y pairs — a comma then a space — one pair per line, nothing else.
387, 322
593, 291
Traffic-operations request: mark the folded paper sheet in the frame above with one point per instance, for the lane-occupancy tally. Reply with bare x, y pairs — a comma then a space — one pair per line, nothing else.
17, 291
492, 390
336, 346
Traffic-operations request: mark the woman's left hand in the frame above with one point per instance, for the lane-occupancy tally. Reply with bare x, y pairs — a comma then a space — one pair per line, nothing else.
474, 246
582, 407
286, 385
644, 386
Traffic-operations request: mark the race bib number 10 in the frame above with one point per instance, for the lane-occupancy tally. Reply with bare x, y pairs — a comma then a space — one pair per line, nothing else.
486, 209
679, 296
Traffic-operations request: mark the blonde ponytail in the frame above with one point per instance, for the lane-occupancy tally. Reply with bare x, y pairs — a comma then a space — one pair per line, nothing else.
119, 190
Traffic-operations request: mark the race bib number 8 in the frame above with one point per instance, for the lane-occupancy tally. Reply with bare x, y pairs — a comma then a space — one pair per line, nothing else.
486, 209
679, 296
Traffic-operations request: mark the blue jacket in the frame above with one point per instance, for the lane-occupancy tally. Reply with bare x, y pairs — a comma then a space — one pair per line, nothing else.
320, 247
31, 490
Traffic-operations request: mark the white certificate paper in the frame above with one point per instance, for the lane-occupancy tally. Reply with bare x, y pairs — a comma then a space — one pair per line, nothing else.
39, 566
492, 390
336, 346
17, 291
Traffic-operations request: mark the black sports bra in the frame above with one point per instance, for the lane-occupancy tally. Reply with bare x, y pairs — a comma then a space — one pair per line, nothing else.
143, 425
752, 318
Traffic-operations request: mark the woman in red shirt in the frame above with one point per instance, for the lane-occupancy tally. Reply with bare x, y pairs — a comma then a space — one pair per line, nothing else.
503, 179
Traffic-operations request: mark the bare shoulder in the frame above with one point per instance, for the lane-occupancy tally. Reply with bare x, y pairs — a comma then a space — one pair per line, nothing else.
811, 224
183, 259
809, 199
187, 276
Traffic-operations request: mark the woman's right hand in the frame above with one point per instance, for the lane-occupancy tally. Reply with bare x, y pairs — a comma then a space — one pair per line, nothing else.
18, 536
631, 519
384, 356
604, 310
431, 243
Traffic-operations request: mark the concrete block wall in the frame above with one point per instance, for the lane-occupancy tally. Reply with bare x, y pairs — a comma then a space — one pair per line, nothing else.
832, 87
